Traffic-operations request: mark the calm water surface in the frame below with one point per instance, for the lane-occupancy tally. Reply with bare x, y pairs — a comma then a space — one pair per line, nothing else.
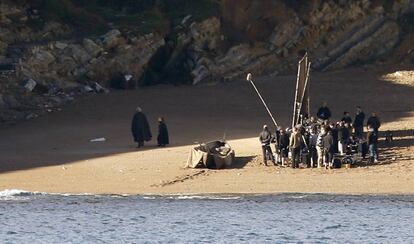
285, 218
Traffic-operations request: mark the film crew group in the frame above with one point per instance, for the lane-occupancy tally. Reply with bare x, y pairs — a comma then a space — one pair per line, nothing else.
320, 143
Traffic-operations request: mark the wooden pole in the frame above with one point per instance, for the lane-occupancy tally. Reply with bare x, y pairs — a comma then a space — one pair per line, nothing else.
296, 96
249, 78
308, 88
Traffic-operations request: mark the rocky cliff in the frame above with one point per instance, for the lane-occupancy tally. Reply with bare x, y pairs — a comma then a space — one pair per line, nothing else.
45, 62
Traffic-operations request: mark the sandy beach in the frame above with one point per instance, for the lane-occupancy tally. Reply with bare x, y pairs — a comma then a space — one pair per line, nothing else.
54, 153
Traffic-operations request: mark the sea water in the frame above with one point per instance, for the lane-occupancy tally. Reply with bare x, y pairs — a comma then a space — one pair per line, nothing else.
283, 218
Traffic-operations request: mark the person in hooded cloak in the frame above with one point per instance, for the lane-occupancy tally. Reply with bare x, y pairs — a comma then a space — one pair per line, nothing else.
140, 128
163, 138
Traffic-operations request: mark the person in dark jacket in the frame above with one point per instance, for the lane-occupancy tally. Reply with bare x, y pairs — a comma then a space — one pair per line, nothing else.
347, 118
372, 139
333, 128
324, 113
140, 128
295, 143
162, 137
284, 146
373, 122
328, 148
265, 138
359, 123
312, 141
343, 137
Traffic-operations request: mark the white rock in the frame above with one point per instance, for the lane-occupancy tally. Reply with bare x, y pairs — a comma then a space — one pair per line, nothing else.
101, 139
30, 84
60, 45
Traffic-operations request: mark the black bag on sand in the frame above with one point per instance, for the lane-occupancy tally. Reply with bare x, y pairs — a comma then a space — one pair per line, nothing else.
337, 163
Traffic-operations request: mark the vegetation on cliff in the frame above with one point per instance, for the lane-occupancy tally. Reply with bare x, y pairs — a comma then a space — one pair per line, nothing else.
141, 16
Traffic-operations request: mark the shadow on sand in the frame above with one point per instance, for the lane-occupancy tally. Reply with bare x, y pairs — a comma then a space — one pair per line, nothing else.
240, 162
193, 113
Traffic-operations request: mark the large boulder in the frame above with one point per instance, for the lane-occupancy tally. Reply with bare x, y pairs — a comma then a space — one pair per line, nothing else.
111, 39
60, 45
206, 35
79, 54
65, 65
286, 33
2, 103
91, 47
3, 47
44, 57
40, 60
11, 102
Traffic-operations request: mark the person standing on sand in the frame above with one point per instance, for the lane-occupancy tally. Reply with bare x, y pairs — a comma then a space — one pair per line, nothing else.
276, 140
343, 138
324, 113
347, 118
313, 156
265, 138
319, 147
284, 146
162, 137
140, 128
334, 129
372, 139
295, 143
359, 122
328, 148
374, 122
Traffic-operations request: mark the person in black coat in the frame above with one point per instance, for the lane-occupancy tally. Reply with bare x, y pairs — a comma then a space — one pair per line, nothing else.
140, 128
265, 138
359, 123
343, 137
373, 122
328, 143
333, 128
284, 146
324, 113
162, 138
347, 118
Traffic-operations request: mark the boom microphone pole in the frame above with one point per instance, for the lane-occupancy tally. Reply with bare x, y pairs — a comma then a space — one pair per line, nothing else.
249, 78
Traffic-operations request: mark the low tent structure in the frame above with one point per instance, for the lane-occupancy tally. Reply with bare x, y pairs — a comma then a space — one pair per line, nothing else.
213, 155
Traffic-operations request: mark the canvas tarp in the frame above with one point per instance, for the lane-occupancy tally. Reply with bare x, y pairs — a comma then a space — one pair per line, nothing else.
301, 105
215, 154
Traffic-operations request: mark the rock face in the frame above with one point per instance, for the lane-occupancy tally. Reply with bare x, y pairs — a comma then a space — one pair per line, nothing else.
111, 39
90, 60
61, 69
263, 37
266, 37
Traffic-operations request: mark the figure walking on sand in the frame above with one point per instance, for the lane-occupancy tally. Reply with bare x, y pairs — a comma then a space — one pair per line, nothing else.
162, 137
140, 128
